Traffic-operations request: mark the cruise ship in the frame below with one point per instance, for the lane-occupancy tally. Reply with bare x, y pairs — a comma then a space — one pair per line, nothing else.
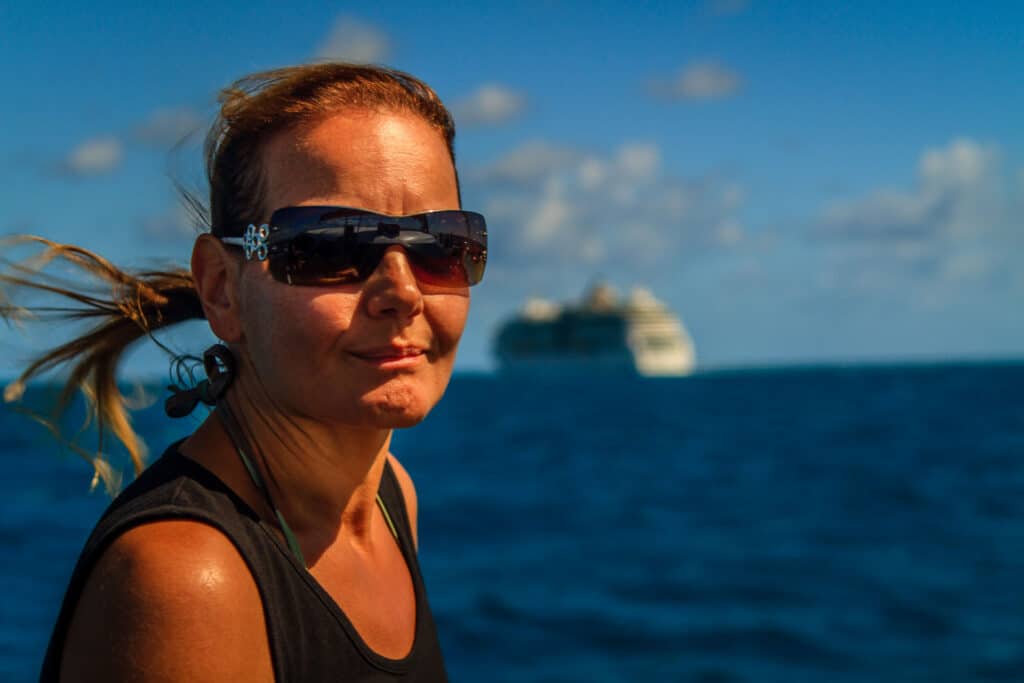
602, 333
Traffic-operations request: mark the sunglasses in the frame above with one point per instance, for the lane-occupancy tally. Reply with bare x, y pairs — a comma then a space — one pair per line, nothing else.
332, 245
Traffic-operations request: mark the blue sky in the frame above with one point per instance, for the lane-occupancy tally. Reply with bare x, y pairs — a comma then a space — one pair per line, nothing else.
802, 182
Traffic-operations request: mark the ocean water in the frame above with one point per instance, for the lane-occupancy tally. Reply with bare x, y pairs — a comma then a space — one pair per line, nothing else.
820, 524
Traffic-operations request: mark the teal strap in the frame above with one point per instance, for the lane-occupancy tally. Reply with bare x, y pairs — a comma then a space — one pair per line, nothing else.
387, 517
236, 438
289, 535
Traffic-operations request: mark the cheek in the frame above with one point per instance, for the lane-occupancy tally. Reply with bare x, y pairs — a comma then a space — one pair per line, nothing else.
447, 320
447, 316
292, 329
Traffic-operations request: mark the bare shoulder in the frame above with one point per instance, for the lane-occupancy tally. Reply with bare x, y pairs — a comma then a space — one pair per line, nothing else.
168, 601
408, 492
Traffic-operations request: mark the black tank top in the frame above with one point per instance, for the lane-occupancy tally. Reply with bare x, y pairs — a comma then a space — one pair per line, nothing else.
310, 638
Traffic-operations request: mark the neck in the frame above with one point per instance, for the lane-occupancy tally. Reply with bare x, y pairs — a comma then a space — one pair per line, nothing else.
322, 477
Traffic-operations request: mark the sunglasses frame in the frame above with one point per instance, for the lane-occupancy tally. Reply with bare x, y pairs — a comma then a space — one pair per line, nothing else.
366, 228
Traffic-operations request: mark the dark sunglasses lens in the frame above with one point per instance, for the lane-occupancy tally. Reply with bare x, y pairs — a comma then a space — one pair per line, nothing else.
458, 256
444, 267
316, 259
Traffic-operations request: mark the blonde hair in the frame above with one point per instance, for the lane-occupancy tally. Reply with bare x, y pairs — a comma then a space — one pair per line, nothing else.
127, 306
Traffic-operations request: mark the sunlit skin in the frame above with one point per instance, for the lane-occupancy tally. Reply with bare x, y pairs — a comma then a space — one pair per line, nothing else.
325, 374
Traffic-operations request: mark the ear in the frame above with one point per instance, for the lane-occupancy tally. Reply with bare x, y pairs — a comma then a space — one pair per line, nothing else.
216, 272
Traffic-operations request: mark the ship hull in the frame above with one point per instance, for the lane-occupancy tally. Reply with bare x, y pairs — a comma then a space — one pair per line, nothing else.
674, 365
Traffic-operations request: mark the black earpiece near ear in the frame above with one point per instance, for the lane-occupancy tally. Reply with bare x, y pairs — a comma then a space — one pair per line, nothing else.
219, 364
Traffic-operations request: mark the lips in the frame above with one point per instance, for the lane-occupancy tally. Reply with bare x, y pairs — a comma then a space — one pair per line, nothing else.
390, 352
391, 357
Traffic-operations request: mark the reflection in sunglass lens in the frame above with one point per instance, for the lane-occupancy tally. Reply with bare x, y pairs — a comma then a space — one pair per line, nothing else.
316, 260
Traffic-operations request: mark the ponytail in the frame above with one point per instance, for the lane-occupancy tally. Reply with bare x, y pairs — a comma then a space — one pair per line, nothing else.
125, 307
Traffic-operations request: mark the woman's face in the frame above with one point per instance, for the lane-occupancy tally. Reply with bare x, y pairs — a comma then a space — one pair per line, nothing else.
374, 354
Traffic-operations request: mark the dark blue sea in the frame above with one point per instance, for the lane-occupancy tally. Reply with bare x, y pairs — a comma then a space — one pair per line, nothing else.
821, 524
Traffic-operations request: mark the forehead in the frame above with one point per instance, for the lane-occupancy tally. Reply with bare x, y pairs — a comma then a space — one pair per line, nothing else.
388, 162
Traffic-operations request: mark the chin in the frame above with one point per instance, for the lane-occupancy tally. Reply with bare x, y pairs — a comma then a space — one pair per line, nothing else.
398, 404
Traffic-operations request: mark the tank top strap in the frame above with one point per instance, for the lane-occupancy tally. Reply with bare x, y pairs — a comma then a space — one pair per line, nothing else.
394, 500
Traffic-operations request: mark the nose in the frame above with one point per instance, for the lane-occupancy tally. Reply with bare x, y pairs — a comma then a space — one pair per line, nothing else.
392, 290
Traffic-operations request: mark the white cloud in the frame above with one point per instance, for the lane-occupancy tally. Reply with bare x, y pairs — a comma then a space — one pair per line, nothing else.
557, 210
173, 225
552, 214
530, 163
352, 40
729, 233
966, 265
960, 164
592, 173
701, 81
489, 105
951, 237
167, 127
732, 194
94, 157
956, 194
639, 161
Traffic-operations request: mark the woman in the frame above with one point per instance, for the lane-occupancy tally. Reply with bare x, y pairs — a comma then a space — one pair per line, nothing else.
278, 541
